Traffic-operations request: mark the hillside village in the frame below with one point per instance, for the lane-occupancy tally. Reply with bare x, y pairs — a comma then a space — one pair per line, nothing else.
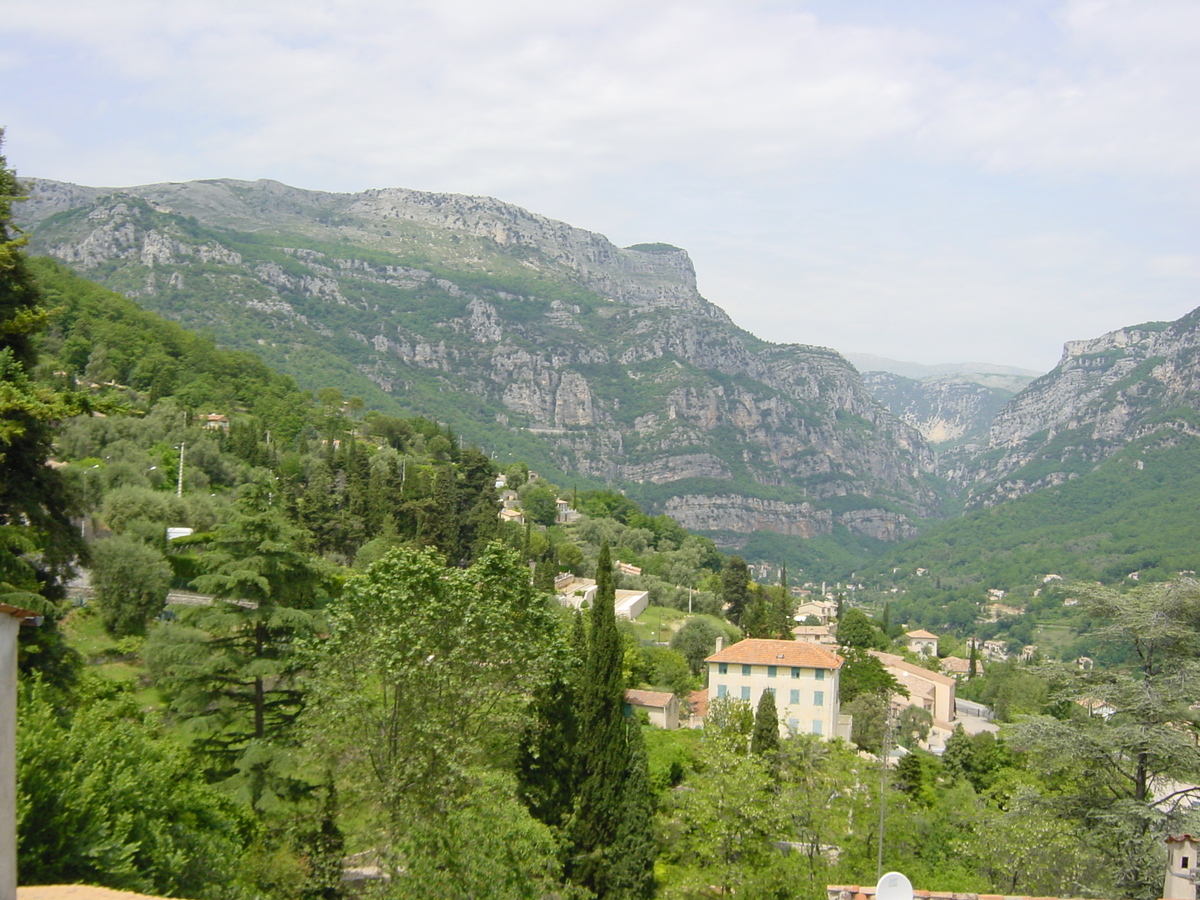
281, 643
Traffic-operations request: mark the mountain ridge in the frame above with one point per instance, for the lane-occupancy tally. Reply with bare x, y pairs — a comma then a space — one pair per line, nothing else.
527, 329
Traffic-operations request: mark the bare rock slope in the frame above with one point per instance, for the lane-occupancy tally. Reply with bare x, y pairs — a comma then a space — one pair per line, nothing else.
520, 331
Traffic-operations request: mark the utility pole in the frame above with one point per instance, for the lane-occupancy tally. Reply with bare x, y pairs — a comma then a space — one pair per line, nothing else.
883, 767
179, 481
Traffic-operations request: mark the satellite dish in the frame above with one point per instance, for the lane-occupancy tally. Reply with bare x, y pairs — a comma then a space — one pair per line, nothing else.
894, 886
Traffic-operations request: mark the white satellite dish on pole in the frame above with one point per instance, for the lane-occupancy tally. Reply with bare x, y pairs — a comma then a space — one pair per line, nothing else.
894, 886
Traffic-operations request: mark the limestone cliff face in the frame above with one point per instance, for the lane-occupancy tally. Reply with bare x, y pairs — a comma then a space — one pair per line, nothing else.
948, 409
1103, 394
606, 357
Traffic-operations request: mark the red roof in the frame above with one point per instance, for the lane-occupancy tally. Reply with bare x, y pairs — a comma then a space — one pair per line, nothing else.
899, 662
921, 633
698, 703
761, 652
17, 612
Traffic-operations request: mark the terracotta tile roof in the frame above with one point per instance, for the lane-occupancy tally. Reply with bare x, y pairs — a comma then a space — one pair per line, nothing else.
920, 633
960, 666
899, 662
656, 699
761, 652
811, 630
18, 612
698, 703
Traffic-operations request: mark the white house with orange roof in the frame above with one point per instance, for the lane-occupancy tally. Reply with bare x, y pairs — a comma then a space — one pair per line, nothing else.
803, 676
931, 690
922, 642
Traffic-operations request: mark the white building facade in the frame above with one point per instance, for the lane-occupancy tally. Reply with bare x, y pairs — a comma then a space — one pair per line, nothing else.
803, 676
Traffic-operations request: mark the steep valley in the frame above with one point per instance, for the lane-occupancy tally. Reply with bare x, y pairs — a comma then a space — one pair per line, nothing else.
528, 336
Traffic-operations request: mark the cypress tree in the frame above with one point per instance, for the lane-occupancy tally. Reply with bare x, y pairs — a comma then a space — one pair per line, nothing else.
735, 588
764, 739
547, 755
631, 874
603, 744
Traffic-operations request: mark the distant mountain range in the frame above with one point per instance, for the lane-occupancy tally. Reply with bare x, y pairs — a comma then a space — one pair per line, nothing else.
604, 365
951, 404
528, 336
867, 362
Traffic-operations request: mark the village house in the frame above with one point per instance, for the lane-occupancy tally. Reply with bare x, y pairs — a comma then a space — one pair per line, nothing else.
931, 690
804, 678
11, 620
825, 611
662, 707
997, 650
575, 592
1180, 882
958, 668
697, 709
815, 634
922, 642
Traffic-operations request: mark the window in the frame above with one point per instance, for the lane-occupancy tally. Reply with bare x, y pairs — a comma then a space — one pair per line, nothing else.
746, 692
721, 690
795, 672
795, 699
816, 729
771, 671
818, 698
722, 668
793, 725
745, 669
820, 674
1183, 862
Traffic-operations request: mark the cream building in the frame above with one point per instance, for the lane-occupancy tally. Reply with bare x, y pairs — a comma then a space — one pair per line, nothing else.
1180, 883
922, 642
11, 618
803, 676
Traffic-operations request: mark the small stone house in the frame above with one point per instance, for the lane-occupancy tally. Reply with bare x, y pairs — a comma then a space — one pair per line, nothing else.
661, 707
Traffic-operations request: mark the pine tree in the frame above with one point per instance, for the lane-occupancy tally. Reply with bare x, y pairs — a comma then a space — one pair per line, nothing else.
38, 543
232, 668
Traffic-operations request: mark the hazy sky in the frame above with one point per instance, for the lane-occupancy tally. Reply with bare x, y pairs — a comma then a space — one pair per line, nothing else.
931, 181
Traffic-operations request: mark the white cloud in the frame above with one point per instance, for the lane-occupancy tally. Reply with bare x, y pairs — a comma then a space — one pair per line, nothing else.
849, 154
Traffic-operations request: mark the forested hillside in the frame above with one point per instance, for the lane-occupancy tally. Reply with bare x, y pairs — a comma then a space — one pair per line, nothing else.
532, 338
368, 676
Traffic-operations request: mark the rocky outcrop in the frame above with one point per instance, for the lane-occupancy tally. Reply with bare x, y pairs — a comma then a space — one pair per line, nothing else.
1103, 394
946, 409
607, 357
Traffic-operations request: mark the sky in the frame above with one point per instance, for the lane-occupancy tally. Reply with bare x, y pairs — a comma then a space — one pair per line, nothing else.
961, 180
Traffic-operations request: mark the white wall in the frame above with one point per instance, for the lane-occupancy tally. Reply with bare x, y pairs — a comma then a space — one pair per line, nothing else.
9, 626
798, 716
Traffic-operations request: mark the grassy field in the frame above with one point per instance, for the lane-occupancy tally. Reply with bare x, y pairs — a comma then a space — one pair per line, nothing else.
112, 659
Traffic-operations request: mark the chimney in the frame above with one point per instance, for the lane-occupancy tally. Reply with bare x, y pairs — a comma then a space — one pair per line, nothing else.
720, 645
